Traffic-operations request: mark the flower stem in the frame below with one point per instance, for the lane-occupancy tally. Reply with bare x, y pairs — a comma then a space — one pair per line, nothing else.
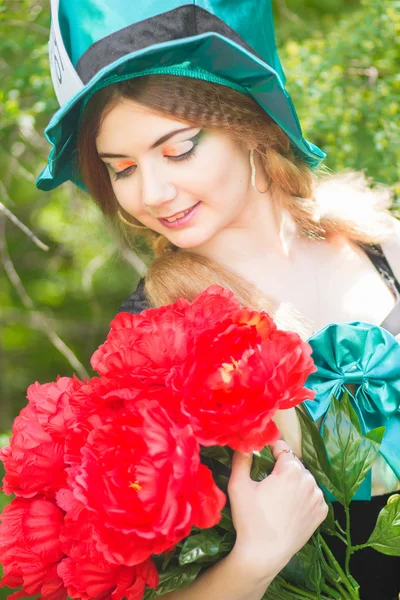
292, 588
334, 579
338, 525
336, 594
343, 577
341, 537
359, 547
349, 550
300, 593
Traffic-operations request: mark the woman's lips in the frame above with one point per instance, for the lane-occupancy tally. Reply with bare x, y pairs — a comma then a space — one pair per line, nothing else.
183, 220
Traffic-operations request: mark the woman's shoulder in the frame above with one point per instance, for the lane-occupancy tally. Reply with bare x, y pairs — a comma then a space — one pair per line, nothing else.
364, 208
137, 301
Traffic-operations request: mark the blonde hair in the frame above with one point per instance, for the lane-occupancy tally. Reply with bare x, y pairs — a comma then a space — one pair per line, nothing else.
321, 206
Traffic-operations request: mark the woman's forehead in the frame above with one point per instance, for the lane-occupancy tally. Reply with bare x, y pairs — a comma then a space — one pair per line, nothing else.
128, 120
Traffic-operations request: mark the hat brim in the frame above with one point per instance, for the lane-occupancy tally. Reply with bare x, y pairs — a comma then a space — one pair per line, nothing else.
208, 56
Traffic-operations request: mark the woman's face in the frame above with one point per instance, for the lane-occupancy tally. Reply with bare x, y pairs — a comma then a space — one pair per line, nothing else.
184, 182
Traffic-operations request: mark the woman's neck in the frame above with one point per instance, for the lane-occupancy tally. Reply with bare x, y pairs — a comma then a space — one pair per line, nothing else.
264, 234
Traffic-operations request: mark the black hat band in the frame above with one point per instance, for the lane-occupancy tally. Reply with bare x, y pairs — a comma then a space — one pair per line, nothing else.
182, 22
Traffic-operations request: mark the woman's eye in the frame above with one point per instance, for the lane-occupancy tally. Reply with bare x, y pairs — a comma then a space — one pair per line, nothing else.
125, 173
183, 150
170, 154
183, 156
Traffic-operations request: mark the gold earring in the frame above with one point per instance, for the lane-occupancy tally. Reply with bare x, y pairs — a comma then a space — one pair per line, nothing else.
253, 174
126, 222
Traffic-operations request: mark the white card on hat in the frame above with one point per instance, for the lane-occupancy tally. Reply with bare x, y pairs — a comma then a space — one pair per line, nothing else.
66, 80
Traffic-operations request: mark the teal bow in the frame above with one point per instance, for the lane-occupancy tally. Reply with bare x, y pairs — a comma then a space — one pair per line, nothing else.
367, 356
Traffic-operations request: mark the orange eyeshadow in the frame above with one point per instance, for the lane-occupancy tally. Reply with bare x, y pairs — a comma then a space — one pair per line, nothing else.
170, 152
174, 151
124, 164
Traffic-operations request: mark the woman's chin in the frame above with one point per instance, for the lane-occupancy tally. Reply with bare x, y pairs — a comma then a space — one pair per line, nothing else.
188, 240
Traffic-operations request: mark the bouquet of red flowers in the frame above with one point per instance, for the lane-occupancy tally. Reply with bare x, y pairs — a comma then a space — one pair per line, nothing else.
112, 475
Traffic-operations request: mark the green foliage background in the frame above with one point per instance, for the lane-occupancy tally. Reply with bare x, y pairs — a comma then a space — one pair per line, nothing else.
342, 60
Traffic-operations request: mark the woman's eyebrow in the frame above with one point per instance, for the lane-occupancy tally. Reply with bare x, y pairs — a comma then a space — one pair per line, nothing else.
162, 139
167, 136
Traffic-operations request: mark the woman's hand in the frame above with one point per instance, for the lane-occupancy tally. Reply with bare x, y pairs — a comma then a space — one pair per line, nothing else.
273, 518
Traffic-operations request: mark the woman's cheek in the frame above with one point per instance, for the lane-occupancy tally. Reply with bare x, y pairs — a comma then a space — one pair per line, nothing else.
127, 198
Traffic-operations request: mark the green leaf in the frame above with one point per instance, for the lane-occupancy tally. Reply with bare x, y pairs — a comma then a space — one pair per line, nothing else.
263, 464
315, 457
206, 543
385, 538
221, 481
225, 547
174, 578
351, 454
222, 454
278, 591
4, 500
227, 543
304, 568
219, 460
346, 406
167, 558
226, 522
329, 570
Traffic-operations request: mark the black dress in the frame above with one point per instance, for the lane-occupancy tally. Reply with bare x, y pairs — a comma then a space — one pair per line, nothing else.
377, 574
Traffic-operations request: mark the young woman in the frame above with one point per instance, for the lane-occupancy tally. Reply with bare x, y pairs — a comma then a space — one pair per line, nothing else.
194, 161
219, 210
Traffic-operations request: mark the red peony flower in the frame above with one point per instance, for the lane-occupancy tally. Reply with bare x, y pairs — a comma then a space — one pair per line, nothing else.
151, 343
102, 395
290, 359
87, 575
236, 376
116, 460
209, 308
34, 460
140, 485
98, 580
147, 344
98, 401
30, 548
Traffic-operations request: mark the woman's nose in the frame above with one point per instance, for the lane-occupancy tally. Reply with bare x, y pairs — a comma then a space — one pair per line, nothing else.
156, 190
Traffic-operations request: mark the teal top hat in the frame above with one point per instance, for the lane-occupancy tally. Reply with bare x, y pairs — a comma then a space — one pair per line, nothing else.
94, 43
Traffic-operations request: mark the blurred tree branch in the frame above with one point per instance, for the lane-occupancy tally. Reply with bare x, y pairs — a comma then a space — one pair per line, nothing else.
38, 319
20, 316
18, 223
286, 13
